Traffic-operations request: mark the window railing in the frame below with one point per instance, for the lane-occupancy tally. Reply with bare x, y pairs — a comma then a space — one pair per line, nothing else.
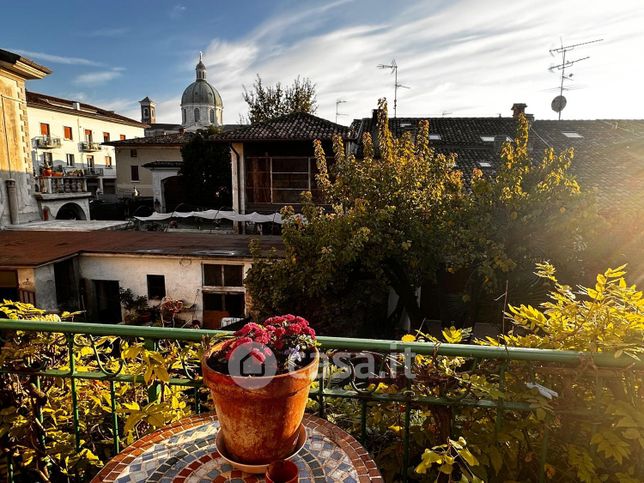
334, 383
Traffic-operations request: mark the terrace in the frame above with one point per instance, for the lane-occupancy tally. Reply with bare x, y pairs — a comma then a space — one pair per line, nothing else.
387, 408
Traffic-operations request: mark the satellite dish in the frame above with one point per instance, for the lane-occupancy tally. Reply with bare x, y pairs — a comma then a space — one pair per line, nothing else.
558, 103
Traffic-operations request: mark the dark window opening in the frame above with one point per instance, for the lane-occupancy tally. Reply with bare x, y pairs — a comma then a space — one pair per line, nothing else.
156, 286
134, 173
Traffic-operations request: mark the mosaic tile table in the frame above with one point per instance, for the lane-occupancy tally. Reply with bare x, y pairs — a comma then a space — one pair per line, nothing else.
186, 453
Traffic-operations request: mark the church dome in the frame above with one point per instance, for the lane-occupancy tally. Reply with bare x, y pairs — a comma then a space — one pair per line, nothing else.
201, 92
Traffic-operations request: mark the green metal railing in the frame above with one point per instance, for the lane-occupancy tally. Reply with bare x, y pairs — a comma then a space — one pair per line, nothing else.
501, 356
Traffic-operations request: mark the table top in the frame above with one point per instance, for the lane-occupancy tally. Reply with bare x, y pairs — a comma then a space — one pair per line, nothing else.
186, 453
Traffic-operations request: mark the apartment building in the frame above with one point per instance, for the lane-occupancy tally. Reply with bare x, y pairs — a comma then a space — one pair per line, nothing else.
67, 137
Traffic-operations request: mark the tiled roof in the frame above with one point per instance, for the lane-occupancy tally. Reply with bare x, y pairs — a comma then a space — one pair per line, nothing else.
51, 103
609, 155
174, 139
24, 248
292, 127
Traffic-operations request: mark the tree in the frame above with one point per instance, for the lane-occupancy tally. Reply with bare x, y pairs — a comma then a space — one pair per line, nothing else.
206, 172
268, 102
402, 217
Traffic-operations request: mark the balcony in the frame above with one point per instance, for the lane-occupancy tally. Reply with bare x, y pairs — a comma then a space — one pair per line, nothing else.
101, 385
90, 147
48, 142
93, 172
51, 187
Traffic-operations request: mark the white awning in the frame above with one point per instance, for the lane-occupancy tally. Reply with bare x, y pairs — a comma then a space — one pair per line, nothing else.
215, 215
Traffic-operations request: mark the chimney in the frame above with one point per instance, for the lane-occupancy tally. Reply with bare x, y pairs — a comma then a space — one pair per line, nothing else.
76, 105
518, 108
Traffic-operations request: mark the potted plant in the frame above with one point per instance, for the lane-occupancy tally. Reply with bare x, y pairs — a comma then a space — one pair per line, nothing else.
136, 307
259, 379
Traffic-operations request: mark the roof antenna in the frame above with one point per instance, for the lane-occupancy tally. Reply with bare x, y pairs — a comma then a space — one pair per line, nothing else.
337, 104
394, 70
559, 102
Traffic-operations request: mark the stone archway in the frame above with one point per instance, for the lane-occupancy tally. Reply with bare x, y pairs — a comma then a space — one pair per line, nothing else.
71, 211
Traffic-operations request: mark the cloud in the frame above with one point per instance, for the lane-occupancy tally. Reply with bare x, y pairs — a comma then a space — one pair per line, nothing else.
98, 77
456, 56
57, 59
177, 11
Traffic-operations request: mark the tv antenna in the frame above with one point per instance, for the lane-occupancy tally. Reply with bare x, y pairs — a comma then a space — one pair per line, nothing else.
337, 105
394, 70
559, 103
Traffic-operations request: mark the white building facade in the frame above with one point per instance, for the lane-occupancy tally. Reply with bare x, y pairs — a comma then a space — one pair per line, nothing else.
67, 137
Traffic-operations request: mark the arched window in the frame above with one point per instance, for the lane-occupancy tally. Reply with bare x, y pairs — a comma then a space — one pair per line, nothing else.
145, 112
183, 116
196, 114
212, 116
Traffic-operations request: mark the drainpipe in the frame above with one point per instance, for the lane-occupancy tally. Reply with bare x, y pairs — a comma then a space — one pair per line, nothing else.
12, 200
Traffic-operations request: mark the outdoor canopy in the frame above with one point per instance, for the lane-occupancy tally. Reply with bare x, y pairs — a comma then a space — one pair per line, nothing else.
215, 215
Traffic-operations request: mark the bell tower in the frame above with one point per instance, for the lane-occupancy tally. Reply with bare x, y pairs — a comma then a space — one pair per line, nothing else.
148, 111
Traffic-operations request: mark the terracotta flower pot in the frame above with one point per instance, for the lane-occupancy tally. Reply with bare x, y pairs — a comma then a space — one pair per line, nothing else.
260, 416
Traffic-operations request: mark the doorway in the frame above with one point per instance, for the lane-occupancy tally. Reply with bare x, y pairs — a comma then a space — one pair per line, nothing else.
108, 301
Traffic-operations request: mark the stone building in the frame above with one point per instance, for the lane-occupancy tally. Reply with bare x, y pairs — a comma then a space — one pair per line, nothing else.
17, 201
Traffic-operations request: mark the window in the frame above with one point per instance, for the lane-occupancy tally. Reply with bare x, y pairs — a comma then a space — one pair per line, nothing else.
44, 129
8, 285
196, 114
134, 172
47, 159
435, 137
152, 112
145, 112
212, 116
67, 132
106, 137
156, 286
122, 137
280, 180
108, 161
90, 161
572, 134
132, 153
487, 139
70, 159
223, 275
88, 136
183, 116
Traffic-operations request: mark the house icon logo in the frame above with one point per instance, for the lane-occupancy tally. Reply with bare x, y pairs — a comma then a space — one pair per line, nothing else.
247, 367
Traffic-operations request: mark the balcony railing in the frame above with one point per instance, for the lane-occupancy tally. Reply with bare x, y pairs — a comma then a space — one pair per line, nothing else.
48, 142
93, 171
62, 184
90, 147
497, 362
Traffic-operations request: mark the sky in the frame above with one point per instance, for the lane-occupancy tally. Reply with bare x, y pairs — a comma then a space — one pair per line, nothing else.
455, 57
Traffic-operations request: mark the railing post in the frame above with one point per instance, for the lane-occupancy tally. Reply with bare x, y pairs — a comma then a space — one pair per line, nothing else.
72, 374
115, 418
154, 391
